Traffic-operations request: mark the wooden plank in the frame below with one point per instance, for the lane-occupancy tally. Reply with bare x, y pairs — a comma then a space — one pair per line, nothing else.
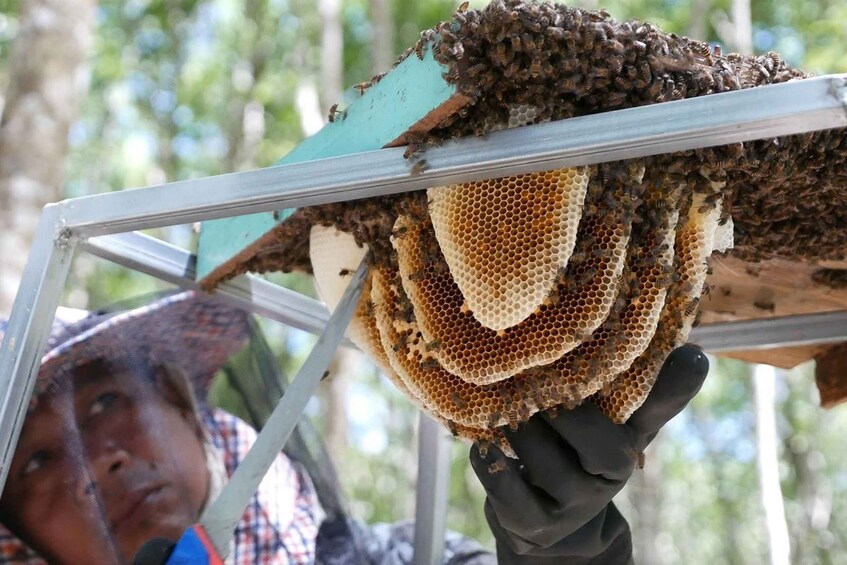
413, 96
750, 291
782, 357
831, 375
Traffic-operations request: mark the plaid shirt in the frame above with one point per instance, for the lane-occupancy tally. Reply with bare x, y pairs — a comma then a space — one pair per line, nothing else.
280, 524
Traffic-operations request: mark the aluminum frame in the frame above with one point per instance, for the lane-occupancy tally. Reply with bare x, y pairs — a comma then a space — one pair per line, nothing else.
768, 111
776, 110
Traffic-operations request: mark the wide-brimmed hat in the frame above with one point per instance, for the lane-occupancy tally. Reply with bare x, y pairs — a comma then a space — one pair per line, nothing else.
191, 330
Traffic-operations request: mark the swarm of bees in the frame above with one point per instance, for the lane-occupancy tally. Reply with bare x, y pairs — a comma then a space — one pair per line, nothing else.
490, 301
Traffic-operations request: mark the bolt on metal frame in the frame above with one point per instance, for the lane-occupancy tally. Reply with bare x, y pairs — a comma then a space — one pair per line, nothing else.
776, 110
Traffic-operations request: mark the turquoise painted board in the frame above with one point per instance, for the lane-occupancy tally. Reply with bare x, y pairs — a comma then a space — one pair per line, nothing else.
386, 111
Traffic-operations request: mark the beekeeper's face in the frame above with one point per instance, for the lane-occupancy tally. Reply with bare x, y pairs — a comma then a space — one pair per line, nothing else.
104, 467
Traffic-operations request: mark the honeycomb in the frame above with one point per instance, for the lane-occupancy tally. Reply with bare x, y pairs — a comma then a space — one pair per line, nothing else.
693, 247
567, 381
519, 115
538, 213
581, 300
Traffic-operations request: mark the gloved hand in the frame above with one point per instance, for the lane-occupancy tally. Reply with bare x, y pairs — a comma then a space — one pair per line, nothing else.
554, 504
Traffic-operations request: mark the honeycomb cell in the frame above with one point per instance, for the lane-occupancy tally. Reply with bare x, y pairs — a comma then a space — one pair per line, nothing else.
505, 239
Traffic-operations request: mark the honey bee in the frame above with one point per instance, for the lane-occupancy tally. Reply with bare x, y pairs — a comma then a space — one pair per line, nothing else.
476, 69
498, 466
433, 345
334, 113
419, 167
429, 363
400, 344
452, 75
513, 421
691, 307
556, 33
413, 148
458, 50
637, 457
535, 68
457, 400
452, 427
497, 54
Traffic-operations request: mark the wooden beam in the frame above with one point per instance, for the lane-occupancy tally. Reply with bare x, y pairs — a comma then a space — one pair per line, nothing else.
742, 290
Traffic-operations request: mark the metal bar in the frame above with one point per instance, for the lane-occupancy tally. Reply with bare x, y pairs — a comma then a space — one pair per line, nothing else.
806, 329
432, 491
157, 258
29, 327
223, 514
768, 111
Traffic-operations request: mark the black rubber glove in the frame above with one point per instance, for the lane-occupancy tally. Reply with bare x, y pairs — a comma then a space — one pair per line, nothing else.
554, 505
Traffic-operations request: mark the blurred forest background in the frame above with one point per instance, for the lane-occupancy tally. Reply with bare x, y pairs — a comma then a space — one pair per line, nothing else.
104, 96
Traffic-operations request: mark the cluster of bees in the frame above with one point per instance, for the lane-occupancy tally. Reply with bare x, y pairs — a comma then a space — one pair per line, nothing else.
626, 290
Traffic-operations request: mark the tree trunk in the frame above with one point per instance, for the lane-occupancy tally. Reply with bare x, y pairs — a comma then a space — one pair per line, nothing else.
811, 486
332, 52
335, 398
332, 55
768, 464
645, 496
699, 16
46, 65
743, 25
247, 115
382, 46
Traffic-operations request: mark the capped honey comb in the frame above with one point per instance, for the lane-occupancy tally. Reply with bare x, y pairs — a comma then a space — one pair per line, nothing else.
537, 214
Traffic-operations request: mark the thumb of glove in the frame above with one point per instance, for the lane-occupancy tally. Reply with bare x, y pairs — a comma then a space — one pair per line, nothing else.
679, 381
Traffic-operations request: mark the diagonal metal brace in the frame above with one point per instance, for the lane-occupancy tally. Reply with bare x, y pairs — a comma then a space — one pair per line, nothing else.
223, 514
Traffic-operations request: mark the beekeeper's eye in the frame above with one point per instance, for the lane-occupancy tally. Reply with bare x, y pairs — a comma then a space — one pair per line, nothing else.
36, 462
102, 403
